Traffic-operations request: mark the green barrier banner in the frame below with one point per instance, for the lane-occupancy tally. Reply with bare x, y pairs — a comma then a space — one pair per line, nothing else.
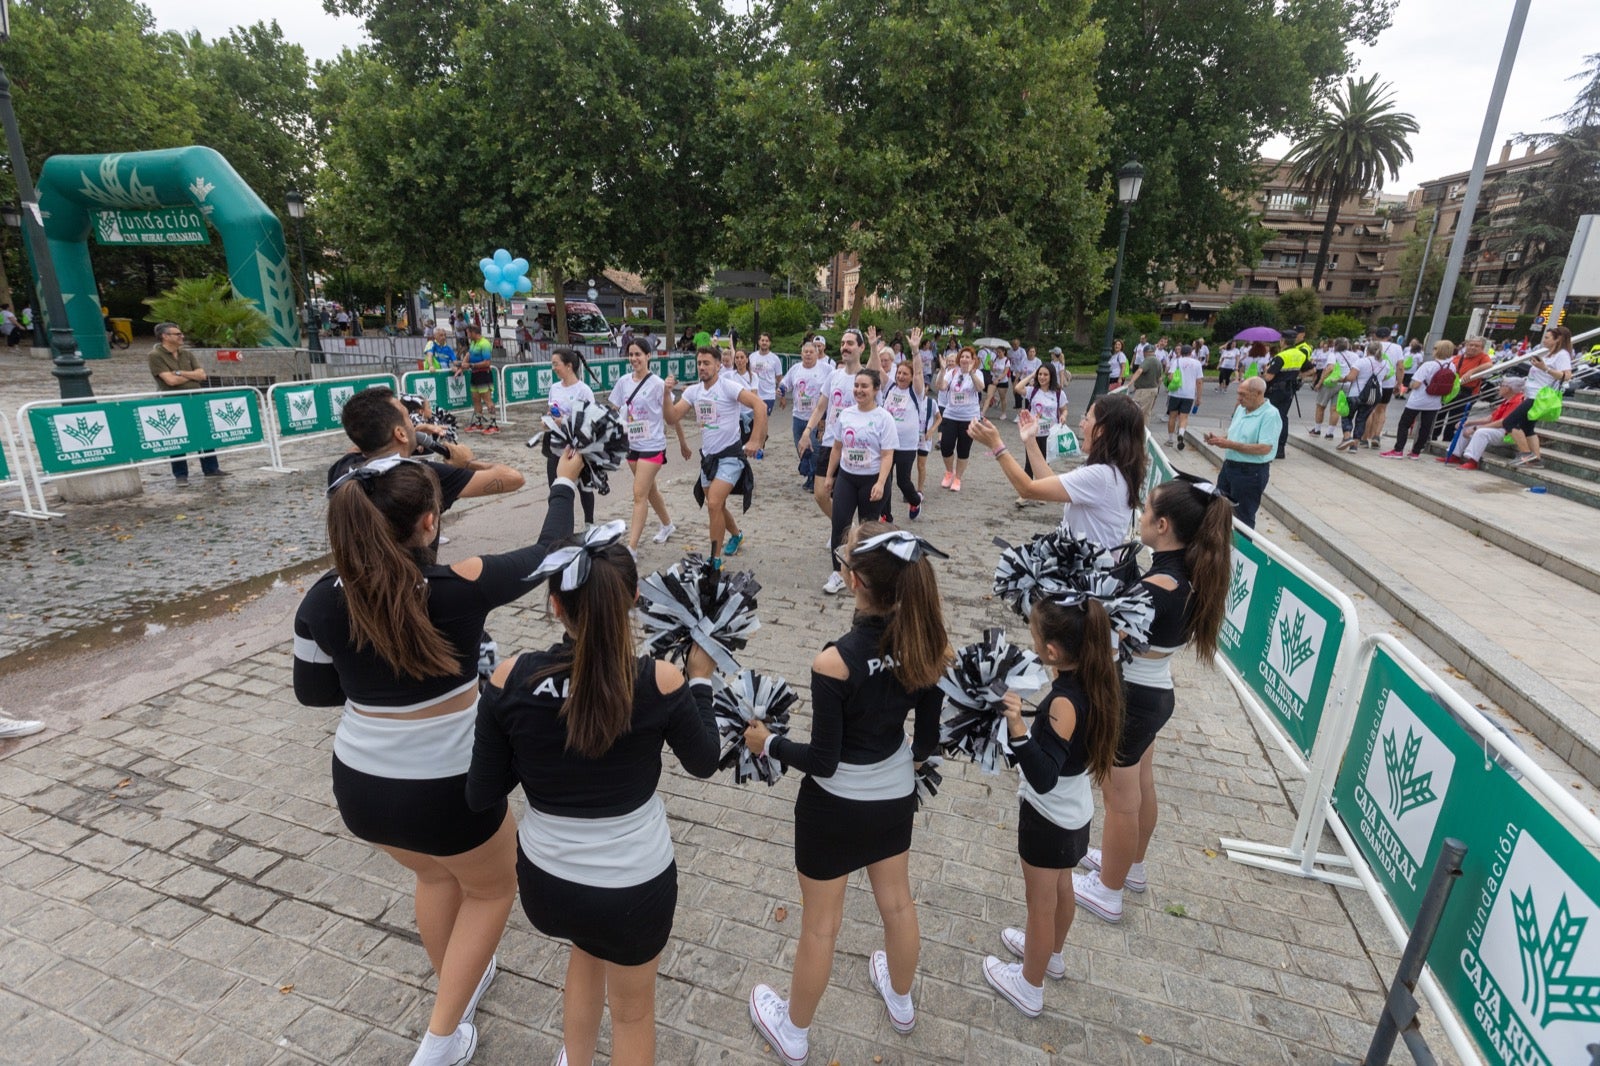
1160, 470
446, 391
5, 469
1282, 636
525, 382
316, 406
1518, 949
94, 436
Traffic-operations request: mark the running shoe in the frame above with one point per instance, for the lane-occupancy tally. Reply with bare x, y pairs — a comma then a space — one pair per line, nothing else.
732, 547
770, 1014
955, 486
1524, 459
490, 427
949, 476
835, 584
1452, 460
1007, 979
664, 533
1134, 882
1413, 455
916, 509
18, 727
1469, 464
1016, 940
1392, 453
1180, 442
904, 1019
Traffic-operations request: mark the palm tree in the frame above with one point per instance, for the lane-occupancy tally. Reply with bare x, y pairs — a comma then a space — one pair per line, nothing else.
1350, 146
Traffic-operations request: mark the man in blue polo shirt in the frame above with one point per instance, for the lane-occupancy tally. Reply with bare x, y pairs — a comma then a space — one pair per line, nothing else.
1251, 443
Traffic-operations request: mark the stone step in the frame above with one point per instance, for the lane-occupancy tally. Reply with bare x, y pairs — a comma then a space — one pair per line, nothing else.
1510, 626
1552, 478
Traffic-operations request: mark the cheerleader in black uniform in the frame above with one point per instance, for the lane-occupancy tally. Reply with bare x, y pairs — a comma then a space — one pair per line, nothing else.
393, 636
580, 726
856, 802
1073, 739
1189, 528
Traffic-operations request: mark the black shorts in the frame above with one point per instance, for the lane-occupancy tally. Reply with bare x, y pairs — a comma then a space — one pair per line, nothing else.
834, 837
1384, 396
429, 816
1044, 844
481, 379
1518, 419
1179, 406
659, 457
1146, 710
626, 926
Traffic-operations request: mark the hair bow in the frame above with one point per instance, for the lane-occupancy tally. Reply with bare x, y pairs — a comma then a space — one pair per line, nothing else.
1194, 480
368, 471
572, 562
901, 544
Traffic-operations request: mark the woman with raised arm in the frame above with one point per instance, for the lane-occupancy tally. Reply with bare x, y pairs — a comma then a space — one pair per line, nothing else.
580, 726
1042, 396
856, 802
963, 385
858, 468
392, 635
903, 400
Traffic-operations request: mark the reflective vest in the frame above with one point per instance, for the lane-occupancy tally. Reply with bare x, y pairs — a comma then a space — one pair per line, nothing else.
1295, 357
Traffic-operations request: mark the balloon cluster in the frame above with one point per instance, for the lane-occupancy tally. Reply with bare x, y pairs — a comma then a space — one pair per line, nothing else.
505, 275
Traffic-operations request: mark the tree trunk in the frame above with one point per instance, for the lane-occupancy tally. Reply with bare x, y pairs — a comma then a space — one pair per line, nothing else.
1031, 330
672, 325
1336, 195
558, 282
856, 300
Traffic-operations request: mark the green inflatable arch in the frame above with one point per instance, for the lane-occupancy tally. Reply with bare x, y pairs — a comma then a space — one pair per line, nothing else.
74, 188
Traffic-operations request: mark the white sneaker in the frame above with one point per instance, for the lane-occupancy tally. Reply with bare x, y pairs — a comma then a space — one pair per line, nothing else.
1007, 979
1102, 902
665, 532
903, 1016
443, 540
456, 1049
771, 1015
1134, 882
18, 727
561, 1056
1015, 940
483, 986
835, 584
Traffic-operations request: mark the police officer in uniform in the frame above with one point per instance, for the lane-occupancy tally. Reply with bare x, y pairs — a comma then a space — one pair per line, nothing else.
1282, 374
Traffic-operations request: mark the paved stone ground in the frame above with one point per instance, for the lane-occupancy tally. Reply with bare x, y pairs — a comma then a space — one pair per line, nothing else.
175, 884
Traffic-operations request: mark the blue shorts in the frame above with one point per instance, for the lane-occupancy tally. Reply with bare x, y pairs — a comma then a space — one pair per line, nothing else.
727, 470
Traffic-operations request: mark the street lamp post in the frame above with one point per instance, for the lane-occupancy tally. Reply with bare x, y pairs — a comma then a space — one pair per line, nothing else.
72, 376
1130, 178
11, 214
313, 323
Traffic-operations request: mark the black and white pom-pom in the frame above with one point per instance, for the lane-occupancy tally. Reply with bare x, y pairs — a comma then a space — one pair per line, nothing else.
692, 602
975, 687
1051, 565
747, 698
928, 779
594, 431
1130, 608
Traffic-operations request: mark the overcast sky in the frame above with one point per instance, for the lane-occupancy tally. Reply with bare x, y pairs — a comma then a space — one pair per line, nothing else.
1441, 56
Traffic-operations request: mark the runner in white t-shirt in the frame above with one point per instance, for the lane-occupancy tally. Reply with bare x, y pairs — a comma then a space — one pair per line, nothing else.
1185, 398
962, 385
903, 400
859, 465
567, 393
1042, 395
717, 403
638, 397
767, 368
806, 383
837, 393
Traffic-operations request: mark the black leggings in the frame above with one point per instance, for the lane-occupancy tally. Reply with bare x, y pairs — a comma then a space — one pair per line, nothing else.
852, 495
1424, 431
1027, 460
587, 498
905, 466
953, 439
1224, 375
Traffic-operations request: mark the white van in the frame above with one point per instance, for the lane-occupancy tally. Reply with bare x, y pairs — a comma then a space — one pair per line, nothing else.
585, 323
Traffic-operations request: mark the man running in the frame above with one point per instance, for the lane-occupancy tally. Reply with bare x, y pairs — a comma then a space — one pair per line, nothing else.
724, 461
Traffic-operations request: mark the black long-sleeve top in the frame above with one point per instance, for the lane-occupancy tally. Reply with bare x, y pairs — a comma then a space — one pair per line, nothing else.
1045, 758
522, 739
1174, 607
328, 668
861, 720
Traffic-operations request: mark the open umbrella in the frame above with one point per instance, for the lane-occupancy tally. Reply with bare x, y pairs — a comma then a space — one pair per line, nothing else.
991, 342
1259, 333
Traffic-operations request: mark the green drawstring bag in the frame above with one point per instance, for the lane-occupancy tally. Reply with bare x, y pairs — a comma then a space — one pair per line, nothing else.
1546, 405
1334, 376
1175, 381
1342, 405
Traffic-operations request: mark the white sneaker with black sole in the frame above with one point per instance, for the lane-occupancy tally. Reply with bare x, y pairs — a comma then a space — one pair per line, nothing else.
770, 1014
1016, 940
1102, 902
1007, 979
1134, 882
902, 1015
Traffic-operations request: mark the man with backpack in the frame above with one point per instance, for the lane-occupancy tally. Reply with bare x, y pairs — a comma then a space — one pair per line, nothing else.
1430, 384
1363, 386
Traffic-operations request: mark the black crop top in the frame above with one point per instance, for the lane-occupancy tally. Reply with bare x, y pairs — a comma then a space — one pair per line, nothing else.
1045, 758
521, 738
862, 719
328, 669
1174, 608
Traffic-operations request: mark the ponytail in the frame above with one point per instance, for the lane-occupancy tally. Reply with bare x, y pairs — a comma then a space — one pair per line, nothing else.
1083, 633
908, 594
1203, 523
385, 595
598, 708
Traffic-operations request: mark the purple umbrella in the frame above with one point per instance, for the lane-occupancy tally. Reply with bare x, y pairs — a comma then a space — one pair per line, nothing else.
1259, 333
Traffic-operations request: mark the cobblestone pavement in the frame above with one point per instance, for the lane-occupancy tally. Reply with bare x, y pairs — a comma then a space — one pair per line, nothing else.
175, 884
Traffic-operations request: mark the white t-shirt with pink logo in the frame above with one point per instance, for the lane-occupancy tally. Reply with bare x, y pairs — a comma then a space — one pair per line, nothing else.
863, 437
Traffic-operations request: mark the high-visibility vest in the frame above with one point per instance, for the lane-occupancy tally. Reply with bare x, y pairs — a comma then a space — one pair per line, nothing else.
1295, 357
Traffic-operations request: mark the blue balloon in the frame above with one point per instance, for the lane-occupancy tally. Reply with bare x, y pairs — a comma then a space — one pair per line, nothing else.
501, 256
524, 284
492, 275
506, 289
518, 267
484, 264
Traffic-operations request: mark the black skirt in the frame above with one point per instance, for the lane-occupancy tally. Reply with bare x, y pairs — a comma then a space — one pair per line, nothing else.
834, 837
1146, 710
429, 816
624, 926
1044, 844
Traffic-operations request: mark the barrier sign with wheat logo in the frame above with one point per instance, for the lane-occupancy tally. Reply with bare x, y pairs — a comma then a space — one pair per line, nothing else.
1282, 637
93, 436
316, 406
1518, 949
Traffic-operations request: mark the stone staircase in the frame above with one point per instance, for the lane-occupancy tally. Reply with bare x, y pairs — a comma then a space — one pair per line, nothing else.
1571, 451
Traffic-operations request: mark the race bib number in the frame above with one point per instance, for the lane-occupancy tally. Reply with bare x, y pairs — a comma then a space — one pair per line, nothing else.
855, 457
706, 412
1044, 415
804, 402
897, 406
637, 430
963, 398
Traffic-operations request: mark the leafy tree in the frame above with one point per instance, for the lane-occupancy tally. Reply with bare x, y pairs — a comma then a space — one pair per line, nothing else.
1194, 90
714, 313
1243, 313
1337, 324
1432, 274
780, 316
210, 314
1550, 200
1347, 151
1301, 307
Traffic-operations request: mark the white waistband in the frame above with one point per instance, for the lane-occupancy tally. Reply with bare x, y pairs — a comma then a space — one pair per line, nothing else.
413, 749
1149, 672
1069, 805
888, 779
618, 852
